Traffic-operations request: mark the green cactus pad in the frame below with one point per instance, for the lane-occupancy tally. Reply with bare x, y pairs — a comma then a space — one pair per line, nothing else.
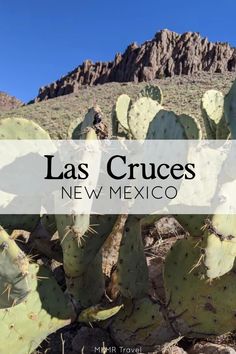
191, 126
101, 227
230, 110
81, 239
14, 271
141, 113
166, 125
192, 223
71, 230
89, 285
212, 106
21, 128
121, 109
152, 91
98, 313
220, 251
132, 272
206, 307
24, 326
140, 323
88, 288
222, 130
219, 256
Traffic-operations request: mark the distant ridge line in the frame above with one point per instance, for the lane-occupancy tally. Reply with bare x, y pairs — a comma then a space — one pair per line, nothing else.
166, 55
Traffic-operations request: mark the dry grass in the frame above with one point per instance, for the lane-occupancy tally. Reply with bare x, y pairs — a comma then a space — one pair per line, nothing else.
181, 94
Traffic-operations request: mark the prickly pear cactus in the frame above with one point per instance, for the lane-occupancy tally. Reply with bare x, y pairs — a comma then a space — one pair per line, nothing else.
72, 233
213, 105
32, 306
24, 326
166, 125
140, 324
82, 238
141, 113
14, 272
213, 114
220, 250
192, 223
121, 110
199, 271
21, 128
199, 304
152, 91
132, 272
191, 126
230, 110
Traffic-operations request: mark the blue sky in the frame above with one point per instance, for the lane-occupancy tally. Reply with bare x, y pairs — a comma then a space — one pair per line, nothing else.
42, 40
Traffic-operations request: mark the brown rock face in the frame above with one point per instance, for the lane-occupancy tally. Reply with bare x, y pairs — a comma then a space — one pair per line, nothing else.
8, 102
167, 54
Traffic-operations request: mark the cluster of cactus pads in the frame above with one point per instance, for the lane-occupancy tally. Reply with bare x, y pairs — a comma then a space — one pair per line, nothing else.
199, 271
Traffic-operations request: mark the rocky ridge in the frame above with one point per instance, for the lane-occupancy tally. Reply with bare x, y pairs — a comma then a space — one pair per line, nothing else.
8, 102
166, 55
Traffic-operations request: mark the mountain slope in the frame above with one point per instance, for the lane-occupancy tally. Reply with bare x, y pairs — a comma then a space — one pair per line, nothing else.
181, 94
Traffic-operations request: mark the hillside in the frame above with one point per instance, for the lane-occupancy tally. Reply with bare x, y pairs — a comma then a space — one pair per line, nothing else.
8, 102
181, 94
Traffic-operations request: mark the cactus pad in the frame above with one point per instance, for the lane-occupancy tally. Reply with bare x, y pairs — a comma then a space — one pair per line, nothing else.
220, 251
212, 106
21, 128
141, 113
14, 271
166, 125
197, 302
191, 126
192, 223
122, 106
141, 324
132, 272
153, 92
230, 110
24, 326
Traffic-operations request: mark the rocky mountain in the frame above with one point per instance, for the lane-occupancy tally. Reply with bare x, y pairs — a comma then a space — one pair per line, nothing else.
166, 55
8, 102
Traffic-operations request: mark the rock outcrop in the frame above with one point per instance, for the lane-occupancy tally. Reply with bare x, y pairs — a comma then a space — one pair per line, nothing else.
167, 54
8, 103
